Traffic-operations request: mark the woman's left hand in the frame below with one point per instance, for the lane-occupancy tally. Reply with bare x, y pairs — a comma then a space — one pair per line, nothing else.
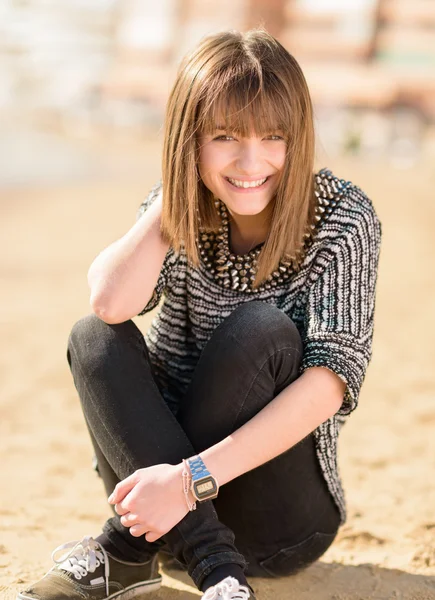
151, 501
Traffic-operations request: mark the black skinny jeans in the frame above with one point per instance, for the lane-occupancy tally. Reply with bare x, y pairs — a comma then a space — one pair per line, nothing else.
273, 520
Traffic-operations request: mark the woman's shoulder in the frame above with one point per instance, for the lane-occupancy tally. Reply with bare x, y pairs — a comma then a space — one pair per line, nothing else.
351, 210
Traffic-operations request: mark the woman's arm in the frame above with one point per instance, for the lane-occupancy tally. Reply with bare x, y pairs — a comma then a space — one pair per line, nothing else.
123, 276
150, 501
293, 414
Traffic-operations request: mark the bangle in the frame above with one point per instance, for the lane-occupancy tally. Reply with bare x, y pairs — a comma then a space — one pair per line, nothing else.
187, 478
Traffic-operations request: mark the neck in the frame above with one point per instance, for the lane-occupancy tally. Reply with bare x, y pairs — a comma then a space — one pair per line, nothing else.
247, 231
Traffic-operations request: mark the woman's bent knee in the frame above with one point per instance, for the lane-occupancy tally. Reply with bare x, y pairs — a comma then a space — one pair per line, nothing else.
91, 328
92, 340
259, 323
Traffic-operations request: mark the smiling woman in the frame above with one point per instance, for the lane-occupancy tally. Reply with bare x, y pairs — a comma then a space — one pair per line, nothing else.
244, 173
216, 433
236, 99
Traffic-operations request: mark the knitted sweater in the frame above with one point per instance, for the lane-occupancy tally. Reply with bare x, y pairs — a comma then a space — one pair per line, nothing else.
331, 300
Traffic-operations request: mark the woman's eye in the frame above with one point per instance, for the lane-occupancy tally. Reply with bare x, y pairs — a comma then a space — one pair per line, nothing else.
275, 137
224, 138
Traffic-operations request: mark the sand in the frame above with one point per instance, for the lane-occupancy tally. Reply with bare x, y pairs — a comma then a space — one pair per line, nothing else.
51, 495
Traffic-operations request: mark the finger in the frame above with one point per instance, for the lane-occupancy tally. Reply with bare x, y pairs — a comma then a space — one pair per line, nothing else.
128, 519
126, 504
122, 488
152, 536
138, 530
121, 509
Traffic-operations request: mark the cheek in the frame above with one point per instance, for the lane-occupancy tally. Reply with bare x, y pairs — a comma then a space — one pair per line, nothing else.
204, 163
209, 164
279, 157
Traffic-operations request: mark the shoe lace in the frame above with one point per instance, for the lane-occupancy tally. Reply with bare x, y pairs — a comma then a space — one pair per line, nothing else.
83, 558
227, 589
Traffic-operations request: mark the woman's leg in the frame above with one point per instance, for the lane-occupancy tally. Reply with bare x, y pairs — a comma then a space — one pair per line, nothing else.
133, 428
253, 355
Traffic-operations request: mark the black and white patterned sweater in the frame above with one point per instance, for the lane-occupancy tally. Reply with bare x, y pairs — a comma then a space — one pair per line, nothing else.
331, 300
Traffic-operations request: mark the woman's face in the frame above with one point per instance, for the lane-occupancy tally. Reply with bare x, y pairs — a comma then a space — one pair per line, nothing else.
242, 172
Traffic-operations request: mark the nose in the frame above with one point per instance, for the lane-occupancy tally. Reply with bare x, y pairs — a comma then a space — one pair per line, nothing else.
249, 158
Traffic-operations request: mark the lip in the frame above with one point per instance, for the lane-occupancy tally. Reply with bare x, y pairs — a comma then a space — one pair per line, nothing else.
248, 190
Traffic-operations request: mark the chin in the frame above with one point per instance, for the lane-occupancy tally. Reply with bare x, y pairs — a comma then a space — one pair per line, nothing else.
246, 209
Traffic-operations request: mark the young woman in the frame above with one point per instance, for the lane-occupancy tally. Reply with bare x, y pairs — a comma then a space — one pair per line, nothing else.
216, 434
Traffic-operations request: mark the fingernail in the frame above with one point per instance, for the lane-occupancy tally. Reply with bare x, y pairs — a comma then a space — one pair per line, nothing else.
110, 498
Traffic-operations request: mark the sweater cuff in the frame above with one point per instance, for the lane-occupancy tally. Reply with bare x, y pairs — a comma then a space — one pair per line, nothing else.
341, 357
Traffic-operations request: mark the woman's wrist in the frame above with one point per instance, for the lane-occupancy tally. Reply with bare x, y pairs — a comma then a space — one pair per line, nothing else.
187, 483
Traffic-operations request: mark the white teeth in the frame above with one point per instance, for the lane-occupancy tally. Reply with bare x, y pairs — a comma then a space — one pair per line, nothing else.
247, 184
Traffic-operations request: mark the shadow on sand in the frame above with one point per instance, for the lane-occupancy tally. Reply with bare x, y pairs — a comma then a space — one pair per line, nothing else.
325, 581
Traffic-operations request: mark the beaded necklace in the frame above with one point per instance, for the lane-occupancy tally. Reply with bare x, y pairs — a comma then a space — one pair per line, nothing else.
237, 271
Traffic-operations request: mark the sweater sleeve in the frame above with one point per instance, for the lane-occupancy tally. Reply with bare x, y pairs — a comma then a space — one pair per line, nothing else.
339, 312
169, 260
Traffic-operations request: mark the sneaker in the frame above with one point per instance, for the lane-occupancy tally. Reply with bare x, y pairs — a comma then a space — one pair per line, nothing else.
228, 589
88, 572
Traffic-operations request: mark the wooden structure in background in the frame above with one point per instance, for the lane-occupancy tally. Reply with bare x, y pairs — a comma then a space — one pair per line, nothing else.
376, 56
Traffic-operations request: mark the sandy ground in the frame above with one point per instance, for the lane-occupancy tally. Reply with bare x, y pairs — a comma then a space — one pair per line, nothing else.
49, 492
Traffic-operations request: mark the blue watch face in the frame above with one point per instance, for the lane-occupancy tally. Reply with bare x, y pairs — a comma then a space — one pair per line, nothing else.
205, 488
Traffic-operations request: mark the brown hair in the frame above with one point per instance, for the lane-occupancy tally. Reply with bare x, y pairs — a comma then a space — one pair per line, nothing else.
251, 80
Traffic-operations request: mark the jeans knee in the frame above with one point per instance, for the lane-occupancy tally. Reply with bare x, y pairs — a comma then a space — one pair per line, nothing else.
94, 341
84, 334
261, 324
85, 330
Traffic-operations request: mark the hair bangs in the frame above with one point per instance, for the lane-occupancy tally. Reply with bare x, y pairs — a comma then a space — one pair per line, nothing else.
246, 106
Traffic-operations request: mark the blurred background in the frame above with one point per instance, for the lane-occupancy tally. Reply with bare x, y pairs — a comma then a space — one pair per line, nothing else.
83, 87
105, 68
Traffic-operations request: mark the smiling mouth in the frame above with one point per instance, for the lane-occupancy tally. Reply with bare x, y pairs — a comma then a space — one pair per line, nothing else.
247, 184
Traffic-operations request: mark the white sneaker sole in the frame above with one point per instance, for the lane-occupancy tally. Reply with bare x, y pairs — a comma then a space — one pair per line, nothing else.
135, 590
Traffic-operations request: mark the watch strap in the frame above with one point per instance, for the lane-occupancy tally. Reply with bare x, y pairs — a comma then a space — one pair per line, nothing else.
201, 480
198, 470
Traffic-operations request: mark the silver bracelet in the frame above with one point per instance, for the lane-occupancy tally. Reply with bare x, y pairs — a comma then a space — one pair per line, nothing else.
187, 478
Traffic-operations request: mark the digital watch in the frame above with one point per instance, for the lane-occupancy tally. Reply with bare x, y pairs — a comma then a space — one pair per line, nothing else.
204, 486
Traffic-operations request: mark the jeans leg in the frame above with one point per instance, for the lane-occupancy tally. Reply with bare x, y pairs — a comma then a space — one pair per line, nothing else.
134, 428
250, 358
129, 547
